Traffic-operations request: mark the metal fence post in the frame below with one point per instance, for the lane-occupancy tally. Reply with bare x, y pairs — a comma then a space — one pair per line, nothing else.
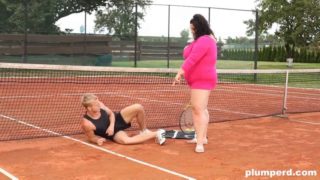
25, 43
256, 49
136, 35
168, 45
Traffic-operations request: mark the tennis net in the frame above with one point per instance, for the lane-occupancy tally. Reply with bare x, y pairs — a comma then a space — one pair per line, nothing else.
44, 100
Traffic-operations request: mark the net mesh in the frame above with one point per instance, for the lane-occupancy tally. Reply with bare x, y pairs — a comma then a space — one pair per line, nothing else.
44, 100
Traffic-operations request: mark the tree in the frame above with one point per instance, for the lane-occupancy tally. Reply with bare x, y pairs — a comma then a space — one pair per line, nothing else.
119, 19
42, 14
68, 30
220, 45
184, 34
7, 11
298, 22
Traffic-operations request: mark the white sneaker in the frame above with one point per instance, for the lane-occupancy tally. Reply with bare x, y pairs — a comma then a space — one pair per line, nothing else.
160, 138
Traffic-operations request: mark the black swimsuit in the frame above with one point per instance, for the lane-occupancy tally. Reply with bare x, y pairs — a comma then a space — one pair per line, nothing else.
103, 122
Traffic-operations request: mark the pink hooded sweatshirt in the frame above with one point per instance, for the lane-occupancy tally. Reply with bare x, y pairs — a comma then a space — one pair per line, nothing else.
200, 63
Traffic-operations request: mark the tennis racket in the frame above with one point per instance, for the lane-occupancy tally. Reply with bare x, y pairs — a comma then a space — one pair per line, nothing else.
186, 120
178, 134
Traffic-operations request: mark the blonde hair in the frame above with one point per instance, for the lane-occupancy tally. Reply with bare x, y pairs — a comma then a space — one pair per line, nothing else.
87, 99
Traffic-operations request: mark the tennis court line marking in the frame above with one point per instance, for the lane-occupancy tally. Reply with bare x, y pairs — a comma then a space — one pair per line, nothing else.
304, 122
6, 173
227, 90
100, 148
268, 85
128, 96
165, 102
291, 94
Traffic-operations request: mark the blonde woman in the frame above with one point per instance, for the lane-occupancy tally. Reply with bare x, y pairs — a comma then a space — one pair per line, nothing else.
99, 123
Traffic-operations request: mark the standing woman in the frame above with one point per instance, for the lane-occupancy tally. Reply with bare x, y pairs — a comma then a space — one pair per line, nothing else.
199, 70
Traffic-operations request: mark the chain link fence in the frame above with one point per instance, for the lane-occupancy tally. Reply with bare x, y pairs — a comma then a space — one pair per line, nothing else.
157, 40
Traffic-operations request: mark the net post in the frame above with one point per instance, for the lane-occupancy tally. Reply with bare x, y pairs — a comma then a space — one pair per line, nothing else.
285, 94
136, 35
85, 34
168, 45
256, 44
209, 15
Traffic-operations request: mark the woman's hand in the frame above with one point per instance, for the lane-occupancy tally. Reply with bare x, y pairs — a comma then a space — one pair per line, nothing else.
110, 131
177, 79
100, 141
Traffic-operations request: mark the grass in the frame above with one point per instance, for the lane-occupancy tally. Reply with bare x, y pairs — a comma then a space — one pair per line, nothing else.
91, 60
222, 64
302, 80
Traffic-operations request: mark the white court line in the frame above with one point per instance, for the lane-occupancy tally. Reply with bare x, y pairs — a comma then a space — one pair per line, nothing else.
165, 102
274, 95
233, 91
172, 103
100, 148
228, 89
304, 122
131, 97
6, 173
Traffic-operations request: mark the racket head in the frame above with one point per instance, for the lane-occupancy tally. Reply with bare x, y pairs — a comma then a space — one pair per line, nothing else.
186, 120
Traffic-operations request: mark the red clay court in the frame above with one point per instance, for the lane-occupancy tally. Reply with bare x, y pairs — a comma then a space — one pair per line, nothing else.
41, 137
263, 144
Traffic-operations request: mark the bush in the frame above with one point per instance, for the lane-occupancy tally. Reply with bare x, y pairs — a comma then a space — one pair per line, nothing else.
104, 60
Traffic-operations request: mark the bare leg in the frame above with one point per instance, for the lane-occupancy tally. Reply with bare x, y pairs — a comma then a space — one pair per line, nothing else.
199, 101
206, 129
122, 138
134, 112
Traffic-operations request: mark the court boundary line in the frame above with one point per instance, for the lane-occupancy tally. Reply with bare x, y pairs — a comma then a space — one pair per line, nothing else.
160, 101
100, 148
125, 95
305, 122
276, 94
9, 175
172, 103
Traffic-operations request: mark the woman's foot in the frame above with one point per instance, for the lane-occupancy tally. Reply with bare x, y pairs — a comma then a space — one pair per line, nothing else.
199, 148
194, 141
145, 131
160, 137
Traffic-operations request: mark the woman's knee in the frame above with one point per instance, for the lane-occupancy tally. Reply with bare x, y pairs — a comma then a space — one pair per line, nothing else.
131, 111
124, 141
138, 107
121, 137
198, 110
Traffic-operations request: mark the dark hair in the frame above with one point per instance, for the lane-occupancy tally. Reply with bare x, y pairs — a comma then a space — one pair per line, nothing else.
201, 26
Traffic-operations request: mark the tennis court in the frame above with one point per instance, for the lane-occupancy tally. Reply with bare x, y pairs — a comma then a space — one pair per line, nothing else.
234, 147
41, 136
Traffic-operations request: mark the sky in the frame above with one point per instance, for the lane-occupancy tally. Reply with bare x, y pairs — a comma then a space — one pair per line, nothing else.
224, 23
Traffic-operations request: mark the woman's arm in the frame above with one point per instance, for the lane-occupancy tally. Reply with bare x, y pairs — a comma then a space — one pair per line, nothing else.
177, 79
198, 51
88, 129
110, 129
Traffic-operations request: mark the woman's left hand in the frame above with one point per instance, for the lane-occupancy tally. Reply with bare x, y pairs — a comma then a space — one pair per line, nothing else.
110, 131
177, 79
